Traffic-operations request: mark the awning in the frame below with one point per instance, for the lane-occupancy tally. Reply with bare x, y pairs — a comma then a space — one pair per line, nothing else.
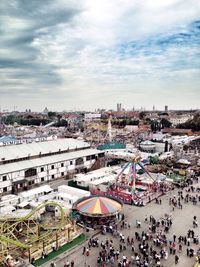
19, 182
30, 179
23, 204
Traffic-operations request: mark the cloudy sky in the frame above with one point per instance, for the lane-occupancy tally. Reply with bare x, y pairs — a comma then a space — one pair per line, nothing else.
87, 54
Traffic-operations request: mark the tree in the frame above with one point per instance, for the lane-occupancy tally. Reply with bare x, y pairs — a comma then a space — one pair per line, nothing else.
141, 115
153, 159
165, 123
133, 122
62, 123
10, 119
51, 114
155, 125
122, 123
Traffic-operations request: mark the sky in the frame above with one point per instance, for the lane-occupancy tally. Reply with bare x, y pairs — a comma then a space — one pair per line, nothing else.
88, 54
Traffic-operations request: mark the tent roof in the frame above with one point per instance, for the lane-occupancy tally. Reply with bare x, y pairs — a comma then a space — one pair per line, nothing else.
98, 206
112, 145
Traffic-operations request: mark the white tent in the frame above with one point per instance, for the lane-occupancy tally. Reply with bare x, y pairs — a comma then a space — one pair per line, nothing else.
184, 161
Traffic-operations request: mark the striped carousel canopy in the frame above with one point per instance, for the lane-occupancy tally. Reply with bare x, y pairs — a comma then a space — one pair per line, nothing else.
98, 206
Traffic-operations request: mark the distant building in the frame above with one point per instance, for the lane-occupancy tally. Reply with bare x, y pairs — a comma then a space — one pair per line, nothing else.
7, 140
92, 116
46, 111
166, 108
148, 146
119, 107
175, 131
179, 119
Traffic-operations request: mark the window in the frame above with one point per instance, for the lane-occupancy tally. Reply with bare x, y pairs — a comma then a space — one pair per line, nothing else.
5, 189
87, 158
4, 178
42, 179
79, 161
62, 164
52, 167
93, 156
30, 172
62, 173
71, 162
52, 176
42, 169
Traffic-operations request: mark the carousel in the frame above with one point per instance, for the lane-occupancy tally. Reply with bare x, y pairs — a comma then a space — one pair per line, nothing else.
95, 211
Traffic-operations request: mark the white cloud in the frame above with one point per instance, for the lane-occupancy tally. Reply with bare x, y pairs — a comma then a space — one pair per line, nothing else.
93, 51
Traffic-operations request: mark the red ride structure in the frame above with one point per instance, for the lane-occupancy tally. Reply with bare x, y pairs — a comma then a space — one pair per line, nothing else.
126, 185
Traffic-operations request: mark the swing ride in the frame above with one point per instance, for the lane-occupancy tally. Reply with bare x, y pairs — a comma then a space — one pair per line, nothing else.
129, 188
128, 185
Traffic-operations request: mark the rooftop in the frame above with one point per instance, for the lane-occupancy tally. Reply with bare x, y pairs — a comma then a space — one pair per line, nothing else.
21, 165
36, 148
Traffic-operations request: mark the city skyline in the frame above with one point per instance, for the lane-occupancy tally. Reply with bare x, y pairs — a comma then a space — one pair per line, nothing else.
87, 54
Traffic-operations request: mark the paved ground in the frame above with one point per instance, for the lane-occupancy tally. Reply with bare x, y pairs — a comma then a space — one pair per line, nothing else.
55, 183
182, 221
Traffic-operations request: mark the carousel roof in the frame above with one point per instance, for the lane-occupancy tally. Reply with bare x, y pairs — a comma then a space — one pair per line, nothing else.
98, 206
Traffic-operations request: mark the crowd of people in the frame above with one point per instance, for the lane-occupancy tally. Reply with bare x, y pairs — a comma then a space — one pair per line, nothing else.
150, 240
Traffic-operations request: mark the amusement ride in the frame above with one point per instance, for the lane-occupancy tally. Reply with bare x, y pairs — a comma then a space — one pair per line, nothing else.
33, 235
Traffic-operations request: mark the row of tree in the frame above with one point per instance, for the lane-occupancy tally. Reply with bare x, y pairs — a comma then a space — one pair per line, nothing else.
122, 123
31, 120
157, 125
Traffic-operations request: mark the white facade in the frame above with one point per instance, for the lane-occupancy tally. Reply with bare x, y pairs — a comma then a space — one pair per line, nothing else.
179, 119
92, 116
22, 175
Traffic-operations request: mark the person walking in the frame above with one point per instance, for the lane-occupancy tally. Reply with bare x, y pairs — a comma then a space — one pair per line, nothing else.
87, 252
176, 259
174, 237
188, 252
